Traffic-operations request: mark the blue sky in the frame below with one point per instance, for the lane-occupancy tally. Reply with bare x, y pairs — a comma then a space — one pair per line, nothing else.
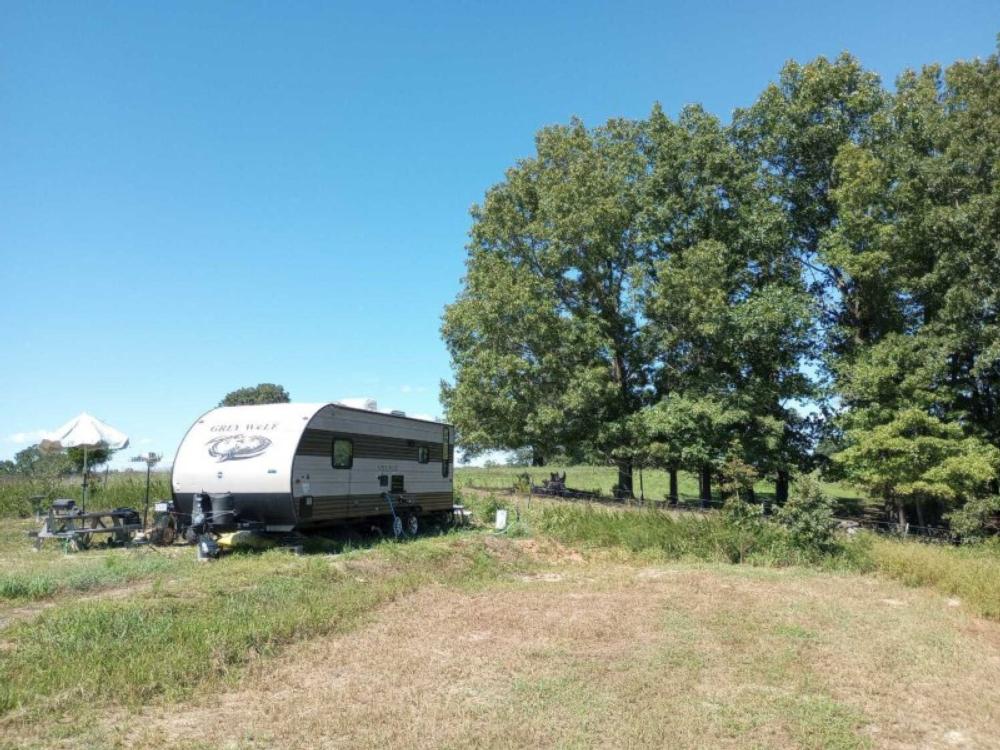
201, 196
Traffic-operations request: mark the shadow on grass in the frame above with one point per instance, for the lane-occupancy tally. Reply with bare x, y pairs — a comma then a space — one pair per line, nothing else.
349, 538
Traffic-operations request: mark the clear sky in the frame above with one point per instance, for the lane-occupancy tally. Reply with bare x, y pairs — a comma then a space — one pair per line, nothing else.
200, 196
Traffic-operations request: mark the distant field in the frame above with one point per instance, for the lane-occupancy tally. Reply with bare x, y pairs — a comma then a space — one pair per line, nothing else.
654, 484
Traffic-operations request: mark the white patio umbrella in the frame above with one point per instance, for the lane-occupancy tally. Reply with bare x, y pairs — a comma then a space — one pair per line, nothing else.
86, 431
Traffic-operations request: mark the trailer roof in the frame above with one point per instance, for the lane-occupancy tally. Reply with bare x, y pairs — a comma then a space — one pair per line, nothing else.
314, 407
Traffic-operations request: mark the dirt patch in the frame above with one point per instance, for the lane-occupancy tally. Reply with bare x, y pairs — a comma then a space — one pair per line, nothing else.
672, 656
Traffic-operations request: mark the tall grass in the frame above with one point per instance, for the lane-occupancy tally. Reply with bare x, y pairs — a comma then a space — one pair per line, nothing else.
715, 537
970, 572
209, 621
119, 490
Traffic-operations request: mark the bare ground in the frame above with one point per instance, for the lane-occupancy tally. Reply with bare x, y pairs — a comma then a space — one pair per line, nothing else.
615, 655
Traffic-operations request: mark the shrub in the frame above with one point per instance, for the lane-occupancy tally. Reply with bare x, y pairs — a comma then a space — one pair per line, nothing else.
808, 516
522, 483
970, 521
746, 527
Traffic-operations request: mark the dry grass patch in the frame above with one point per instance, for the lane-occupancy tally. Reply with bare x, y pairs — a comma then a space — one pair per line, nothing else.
614, 655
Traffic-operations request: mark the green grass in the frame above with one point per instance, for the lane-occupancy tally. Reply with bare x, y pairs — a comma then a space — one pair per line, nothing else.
204, 623
90, 573
27, 574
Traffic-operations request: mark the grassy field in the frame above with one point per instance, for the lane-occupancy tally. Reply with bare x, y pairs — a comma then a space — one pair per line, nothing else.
654, 485
580, 626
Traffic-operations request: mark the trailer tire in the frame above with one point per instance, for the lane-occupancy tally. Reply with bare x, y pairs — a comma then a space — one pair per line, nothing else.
164, 531
396, 527
412, 524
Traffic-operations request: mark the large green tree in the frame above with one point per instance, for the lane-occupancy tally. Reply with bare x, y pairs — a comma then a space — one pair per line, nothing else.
263, 393
729, 314
895, 203
796, 131
915, 458
543, 337
588, 270
658, 290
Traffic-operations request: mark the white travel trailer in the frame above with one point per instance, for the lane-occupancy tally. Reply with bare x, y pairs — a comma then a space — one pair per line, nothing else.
278, 467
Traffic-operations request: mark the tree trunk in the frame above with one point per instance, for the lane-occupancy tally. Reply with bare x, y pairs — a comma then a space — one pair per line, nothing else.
625, 480
751, 495
781, 487
537, 459
672, 473
920, 513
901, 514
706, 486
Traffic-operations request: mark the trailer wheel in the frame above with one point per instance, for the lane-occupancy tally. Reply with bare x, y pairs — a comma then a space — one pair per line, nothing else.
396, 527
164, 531
412, 524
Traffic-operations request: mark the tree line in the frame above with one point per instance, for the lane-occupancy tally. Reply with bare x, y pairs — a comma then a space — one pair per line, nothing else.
812, 284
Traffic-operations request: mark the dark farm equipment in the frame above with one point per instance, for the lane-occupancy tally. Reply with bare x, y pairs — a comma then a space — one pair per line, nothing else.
77, 529
555, 486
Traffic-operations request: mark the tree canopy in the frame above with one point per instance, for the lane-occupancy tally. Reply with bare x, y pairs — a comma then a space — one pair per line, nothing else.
264, 393
682, 292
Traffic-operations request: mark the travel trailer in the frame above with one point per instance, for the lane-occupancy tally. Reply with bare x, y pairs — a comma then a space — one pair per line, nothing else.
284, 467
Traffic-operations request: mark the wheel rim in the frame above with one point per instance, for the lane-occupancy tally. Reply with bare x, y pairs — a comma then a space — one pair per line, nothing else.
397, 526
412, 525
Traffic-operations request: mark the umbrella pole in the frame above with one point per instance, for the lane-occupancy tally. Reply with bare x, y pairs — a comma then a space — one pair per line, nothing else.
145, 510
85, 479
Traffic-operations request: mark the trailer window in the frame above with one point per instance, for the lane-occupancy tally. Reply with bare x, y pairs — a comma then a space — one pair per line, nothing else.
445, 452
423, 454
343, 453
